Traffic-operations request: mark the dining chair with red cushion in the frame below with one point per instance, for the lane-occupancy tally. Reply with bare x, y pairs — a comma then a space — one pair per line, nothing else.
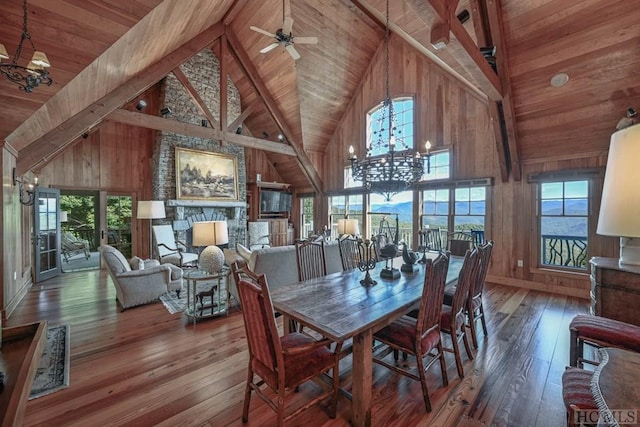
597, 332
282, 363
576, 394
420, 336
452, 320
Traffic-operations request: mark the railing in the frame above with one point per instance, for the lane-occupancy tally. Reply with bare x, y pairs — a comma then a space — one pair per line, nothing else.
564, 251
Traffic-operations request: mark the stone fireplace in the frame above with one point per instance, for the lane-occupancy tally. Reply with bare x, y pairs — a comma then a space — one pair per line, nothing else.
203, 72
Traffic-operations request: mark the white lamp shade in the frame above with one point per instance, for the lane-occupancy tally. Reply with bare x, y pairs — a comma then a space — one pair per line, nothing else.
64, 216
348, 226
151, 209
206, 233
620, 206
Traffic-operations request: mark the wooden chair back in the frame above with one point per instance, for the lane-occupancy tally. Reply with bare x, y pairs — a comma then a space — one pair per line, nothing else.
467, 276
484, 252
311, 259
349, 254
263, 341
432, 295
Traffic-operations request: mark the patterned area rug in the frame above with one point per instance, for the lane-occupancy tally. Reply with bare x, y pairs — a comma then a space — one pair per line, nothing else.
53, 372
174, 304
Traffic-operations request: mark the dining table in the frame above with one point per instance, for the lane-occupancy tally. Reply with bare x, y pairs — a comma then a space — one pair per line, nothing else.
340, 308
615, 387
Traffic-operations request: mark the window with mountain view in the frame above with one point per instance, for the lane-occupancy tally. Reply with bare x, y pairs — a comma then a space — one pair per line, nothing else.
383, 216
435, 209
564, 223
469, 208
341, 206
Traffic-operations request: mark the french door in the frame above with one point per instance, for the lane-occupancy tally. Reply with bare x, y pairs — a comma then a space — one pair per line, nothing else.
46, 230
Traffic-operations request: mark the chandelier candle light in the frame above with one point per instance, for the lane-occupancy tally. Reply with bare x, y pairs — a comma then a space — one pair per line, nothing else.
397, 169
35, 73
210, 234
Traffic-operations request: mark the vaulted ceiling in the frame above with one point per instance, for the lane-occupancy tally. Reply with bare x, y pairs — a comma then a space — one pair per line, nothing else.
105, 52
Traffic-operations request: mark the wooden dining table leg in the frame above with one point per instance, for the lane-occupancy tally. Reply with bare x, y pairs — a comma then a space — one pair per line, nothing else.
362, 379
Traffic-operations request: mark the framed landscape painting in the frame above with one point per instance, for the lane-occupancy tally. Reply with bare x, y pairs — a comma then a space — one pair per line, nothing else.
203, 175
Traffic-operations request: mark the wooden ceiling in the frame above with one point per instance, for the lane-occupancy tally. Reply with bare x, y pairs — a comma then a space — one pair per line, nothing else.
596, 42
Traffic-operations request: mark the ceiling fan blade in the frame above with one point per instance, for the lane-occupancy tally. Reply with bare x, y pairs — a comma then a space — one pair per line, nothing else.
305, 40
261, 31
287, 25
293, 52
269, 48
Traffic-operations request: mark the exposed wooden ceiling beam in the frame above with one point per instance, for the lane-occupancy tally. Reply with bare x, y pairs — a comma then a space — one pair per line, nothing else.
195, 97
463, 47
375, 15
224, 96
494, 13
252, 74
168, 125
233, 11
160, 41
242, 117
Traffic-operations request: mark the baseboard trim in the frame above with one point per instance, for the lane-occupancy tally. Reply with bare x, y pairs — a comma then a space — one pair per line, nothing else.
544, 287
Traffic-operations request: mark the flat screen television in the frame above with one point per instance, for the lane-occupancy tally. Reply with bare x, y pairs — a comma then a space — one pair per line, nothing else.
275, 201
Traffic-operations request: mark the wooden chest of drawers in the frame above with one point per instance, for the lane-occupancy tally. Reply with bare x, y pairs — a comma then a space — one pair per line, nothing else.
615, 290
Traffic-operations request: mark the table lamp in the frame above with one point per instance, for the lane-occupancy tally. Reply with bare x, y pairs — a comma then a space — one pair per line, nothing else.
64, 216
210, 234
151, 209
620, 206
348, 226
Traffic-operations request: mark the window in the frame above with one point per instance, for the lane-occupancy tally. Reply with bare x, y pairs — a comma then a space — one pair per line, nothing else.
306, 220
378, 125
435, 209
349, 182
340, 206
402, 205
469, 208
564, 223
440, 166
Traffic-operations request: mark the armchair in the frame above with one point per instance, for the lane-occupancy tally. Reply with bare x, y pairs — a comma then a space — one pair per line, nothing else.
170, 250
71, 245
146, 284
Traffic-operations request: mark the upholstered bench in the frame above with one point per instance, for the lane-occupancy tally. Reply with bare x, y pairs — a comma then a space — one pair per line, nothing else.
576, 393
600, 332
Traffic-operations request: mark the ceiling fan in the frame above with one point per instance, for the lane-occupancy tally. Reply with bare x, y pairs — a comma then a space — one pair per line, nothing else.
283, 36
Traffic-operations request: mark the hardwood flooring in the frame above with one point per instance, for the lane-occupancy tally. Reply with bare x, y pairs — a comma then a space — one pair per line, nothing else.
145, 366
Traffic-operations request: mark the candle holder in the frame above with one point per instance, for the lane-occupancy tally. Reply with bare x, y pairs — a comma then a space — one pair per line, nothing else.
366, 261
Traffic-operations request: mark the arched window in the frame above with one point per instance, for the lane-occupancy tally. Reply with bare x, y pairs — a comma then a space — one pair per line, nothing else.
378, 126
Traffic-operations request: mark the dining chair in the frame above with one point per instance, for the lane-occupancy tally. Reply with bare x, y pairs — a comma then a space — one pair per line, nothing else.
576, 393
458, 242
311, 259
420, 337
349, 254
475, 308
281, 362
452, 320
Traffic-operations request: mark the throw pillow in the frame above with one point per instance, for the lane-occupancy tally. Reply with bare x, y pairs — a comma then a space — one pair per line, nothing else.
136, 263
244, 251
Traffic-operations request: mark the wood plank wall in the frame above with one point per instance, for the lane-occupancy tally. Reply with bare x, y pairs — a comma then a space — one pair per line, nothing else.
449, 115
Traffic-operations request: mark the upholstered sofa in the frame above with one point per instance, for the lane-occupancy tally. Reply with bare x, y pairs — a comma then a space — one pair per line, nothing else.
279, 265
143, 283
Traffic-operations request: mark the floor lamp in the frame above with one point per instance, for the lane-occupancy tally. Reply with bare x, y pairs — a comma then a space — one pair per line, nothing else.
151, 209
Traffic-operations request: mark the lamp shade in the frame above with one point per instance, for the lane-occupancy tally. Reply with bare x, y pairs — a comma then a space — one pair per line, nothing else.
64, 217
207, 233
210, 234
348, 226
151, 209
620, 206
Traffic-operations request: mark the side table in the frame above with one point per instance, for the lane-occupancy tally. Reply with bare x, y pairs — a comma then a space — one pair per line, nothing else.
211, 297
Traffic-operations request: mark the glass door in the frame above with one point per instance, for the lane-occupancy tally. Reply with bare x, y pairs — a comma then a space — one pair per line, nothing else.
46, 234
79, 235
119, 211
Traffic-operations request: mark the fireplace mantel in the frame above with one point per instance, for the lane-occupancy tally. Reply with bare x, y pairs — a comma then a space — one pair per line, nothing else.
207, 203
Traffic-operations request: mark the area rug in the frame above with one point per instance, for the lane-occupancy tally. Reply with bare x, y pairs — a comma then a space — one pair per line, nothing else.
53, 372
173, 303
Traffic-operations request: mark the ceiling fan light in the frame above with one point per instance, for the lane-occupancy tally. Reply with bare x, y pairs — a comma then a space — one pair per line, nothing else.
3, 52
40, 59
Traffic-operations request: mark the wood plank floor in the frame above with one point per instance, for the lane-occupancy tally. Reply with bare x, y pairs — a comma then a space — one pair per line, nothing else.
145, 366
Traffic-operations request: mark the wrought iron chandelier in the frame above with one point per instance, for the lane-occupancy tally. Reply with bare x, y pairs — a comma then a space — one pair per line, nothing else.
400, 167
35, 73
